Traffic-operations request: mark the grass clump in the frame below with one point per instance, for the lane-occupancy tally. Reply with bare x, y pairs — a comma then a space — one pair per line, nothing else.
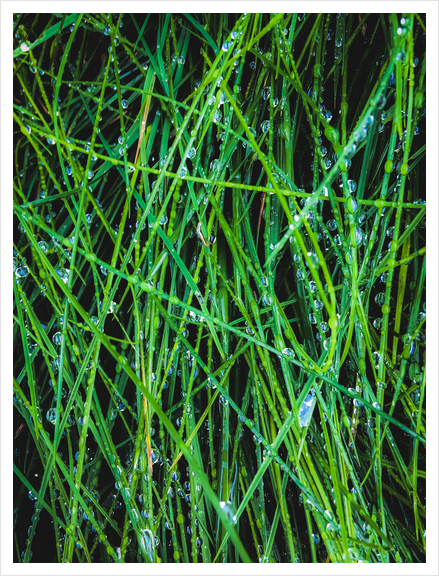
219, 288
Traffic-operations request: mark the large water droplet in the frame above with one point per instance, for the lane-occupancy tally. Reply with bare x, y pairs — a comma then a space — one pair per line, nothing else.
146, 541
305, 411
63, 273
21, 272
288, 353
57, 338
51, 416
359, 236
380, 298
217, 116
266, 93
229, 509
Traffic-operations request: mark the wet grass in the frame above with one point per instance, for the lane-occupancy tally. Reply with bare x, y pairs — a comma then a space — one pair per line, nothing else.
219, 288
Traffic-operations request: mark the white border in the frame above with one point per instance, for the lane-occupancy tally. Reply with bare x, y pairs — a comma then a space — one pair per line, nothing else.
7, 9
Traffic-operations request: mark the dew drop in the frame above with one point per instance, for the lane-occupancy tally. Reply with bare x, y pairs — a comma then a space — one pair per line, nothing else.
289, 353
266, 93
305, 411
146, 542
228, 508
57, 338
63, 273
380, 298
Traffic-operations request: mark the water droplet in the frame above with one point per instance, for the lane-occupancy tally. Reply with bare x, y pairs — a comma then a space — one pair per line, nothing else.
305, 411
266, 93
217, 116
63, 273
229, 509
21, 272
380, 298
380, 101
146, 542
328, 515
352, 185
376, 358
24, 47
51, 416
223, 400
371, 423
57, 338
359, 236
288, 353
267, 300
